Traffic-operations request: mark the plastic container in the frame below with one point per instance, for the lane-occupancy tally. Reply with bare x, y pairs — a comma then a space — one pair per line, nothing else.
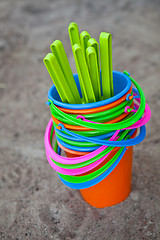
116, 187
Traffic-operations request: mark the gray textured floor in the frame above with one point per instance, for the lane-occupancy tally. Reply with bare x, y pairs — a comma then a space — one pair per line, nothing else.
34, 204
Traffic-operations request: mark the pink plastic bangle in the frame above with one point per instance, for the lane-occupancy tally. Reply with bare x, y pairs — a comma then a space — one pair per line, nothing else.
66, 160
77, 171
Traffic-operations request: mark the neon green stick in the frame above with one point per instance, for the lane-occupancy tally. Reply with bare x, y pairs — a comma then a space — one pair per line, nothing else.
73, 33
58, 50
84, 37
105, 65
93, 70
82, 69
75, 39
58, 78
110, 65
93, 43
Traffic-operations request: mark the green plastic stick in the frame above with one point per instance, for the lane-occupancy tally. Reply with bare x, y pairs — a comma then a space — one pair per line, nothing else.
93, 43
93, 70
83, 71
58, 78
110, 65
58, 50
105, 65
84, 37
73, 33
75, 39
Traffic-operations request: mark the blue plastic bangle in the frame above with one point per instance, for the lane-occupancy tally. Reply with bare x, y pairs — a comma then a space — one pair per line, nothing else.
123, 143
95, 180
76, 148
84, 149
78, 139
120, 89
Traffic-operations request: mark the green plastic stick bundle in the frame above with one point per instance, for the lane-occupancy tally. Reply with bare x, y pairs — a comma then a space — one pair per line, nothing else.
86, 54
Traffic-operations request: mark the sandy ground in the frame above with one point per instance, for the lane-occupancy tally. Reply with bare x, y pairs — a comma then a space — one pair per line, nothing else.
34, 204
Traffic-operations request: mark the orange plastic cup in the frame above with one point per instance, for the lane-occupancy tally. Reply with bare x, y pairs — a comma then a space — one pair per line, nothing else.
116, 187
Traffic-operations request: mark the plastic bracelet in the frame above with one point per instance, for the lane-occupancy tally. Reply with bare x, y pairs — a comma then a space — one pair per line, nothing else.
76, 143
117, 77
122, 143
78, 139
84, 147
73, 172
103, 116
101, 155
105, 112
87, 130
93, 156
140, 122
78, 168
77, 148
89, 161
81, 128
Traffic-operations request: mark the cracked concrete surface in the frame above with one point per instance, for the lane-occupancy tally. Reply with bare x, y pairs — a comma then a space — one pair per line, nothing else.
34, 204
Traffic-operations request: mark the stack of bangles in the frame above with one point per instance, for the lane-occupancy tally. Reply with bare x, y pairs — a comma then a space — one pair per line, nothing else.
91, 132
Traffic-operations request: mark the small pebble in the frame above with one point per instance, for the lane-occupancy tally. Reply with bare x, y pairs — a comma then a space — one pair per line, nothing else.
134, 195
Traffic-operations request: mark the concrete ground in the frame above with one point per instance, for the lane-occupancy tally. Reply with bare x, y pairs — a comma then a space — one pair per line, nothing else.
34, 204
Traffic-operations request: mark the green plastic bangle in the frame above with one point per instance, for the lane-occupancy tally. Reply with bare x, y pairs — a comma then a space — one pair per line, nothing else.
109, 116
109, 111
75, 143
88, 177
99, 118
80, 144
94, 133
103, 113
100, 155
91, 133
